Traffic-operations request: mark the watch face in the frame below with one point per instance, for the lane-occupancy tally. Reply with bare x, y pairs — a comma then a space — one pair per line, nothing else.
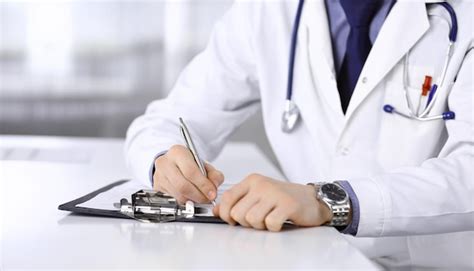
333, 192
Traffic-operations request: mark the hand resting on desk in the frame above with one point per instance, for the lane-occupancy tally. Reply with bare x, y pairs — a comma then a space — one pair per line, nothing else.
263, 203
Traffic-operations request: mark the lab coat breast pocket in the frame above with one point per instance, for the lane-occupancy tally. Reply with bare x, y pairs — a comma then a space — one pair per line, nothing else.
408, 142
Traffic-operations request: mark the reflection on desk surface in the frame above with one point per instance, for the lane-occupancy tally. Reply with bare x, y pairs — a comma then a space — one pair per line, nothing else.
211, 245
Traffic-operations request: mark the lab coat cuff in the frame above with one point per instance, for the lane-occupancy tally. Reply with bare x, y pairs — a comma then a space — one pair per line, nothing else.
374, 206
141, 158
352, 227
152, 167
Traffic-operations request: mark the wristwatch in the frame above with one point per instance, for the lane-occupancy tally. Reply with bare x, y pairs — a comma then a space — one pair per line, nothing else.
337, 199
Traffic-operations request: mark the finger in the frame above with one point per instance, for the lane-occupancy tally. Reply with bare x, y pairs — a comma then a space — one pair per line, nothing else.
158, 179
158, 176
275, 219
256, 215
240, 209
171, 190
215, 210
162, 184
216, 176
191, 172
182, 186
229, 199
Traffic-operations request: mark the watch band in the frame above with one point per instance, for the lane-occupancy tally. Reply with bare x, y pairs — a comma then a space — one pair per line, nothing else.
340, 211
340, 214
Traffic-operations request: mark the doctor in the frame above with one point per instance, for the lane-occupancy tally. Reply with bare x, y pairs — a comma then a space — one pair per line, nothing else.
385, 158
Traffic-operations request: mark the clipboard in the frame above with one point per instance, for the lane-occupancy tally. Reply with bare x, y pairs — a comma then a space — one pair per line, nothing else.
142, 205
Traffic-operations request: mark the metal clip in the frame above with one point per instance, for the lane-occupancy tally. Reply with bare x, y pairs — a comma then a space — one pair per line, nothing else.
157, 207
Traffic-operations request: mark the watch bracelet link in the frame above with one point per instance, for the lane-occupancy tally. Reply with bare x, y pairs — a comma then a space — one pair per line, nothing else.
340, 215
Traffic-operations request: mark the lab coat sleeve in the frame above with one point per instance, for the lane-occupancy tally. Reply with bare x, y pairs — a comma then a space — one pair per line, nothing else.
215, 93
435, 197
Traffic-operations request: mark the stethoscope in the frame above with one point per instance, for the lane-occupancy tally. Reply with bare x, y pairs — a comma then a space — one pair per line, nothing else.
291, 112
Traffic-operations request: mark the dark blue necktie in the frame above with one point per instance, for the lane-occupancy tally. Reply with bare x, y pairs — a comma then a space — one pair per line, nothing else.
359, 14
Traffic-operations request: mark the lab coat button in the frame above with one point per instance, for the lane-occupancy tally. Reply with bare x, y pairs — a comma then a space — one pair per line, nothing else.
344, 151
364, 80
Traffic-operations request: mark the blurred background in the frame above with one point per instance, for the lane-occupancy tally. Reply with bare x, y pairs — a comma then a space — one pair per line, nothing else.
88, 68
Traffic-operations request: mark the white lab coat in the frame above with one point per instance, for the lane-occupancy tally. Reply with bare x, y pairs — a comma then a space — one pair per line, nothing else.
411, 178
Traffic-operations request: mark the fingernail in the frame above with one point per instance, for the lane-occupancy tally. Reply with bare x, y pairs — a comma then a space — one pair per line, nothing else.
211, 195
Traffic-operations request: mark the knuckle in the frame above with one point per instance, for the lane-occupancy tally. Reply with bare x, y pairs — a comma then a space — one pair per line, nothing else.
200, 200
253, 177
209, 167
272, 224
192, 174
196, 175
252, 219
256, 180
239, 217
226, 197
175, 150
216, 175
234, 215
160, 161
224, 214
221, 176
182, 188
205, 185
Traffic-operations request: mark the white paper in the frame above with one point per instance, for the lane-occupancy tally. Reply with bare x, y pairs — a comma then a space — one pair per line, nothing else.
106, 200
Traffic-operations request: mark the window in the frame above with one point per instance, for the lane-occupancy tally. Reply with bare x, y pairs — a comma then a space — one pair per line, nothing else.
89, 67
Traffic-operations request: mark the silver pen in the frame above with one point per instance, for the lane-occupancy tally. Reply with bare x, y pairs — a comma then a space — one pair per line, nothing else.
193, 150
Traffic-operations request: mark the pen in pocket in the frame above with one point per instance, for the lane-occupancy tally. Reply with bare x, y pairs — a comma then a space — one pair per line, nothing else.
425, 89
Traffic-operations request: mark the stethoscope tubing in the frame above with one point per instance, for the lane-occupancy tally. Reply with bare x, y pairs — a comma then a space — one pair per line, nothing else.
291, 109
294, 37
434, 93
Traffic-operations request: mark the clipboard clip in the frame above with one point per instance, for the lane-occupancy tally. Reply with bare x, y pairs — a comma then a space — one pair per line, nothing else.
157, 207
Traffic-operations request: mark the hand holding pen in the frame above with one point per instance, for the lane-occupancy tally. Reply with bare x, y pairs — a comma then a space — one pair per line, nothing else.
182, 174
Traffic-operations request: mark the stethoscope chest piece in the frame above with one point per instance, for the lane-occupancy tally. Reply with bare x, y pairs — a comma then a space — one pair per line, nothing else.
290, 117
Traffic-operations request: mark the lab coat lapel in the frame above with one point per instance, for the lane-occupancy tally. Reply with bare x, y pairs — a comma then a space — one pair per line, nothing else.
315, 92
319, 56
404, 26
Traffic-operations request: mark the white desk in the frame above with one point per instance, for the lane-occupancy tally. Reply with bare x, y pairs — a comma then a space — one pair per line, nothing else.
34, 234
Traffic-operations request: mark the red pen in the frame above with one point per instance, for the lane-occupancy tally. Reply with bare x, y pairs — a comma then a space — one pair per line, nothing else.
425, 89
426, 85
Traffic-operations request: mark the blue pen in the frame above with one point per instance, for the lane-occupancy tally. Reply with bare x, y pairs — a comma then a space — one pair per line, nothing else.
431, 95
